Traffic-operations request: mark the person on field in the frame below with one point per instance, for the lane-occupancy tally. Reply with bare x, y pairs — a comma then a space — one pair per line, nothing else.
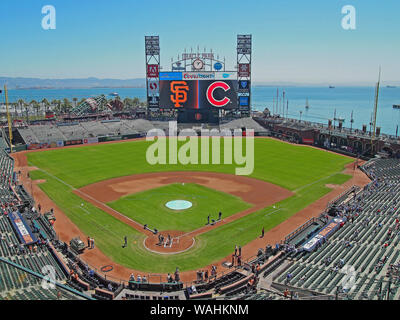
125, 242
88, 242
219, 215
177, 276
239, 260
208, 219
262, 233
214, 272
92, 243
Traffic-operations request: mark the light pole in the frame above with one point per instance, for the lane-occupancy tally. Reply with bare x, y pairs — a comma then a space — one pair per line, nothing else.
351, 122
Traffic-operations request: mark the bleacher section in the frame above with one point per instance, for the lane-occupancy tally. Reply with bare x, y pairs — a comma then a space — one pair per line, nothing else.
48, 133
106, 128
18, 284
28, 135
7, 197
73, 131
369, 242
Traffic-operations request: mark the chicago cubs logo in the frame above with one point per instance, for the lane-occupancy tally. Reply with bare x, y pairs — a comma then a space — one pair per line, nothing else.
210, 94
180, 89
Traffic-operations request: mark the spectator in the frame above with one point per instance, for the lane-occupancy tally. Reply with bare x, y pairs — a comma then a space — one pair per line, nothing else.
258, 268
194, 290
110, 287
286, 293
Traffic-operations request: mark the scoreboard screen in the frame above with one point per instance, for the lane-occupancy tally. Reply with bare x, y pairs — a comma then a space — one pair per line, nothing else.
191, 90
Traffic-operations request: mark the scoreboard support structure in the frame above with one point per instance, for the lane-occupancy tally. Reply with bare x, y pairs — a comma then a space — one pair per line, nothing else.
240, 101
152, 52
244, 50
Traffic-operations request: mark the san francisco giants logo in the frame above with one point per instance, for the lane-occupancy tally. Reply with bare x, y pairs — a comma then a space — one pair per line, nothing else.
180, 89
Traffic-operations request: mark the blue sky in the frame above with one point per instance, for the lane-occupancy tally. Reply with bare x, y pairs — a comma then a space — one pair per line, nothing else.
293, 41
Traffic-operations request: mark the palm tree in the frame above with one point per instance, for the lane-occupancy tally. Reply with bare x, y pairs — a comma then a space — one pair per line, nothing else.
36, 106
32, 104
53, 104
46, 104
127, 103
21, 103
135, 102
15, 104
66, 105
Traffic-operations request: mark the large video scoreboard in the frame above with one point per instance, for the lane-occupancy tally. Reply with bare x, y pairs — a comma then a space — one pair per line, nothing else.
198, 90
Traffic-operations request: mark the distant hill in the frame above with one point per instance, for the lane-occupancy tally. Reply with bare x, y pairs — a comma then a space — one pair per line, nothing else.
36, 83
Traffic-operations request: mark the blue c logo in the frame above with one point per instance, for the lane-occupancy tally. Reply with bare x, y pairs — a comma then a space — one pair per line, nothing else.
218, 66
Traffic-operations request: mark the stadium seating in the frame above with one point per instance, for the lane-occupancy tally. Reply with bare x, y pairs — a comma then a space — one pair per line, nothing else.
370, 243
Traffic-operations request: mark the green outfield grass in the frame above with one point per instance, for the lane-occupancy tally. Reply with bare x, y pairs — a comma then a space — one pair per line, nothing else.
148, 207
303, 170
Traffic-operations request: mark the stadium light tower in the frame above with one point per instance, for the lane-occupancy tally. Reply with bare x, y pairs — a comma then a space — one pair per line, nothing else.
244, 50
152, 52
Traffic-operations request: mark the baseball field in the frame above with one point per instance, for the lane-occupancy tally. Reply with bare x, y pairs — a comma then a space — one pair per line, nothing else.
83, 181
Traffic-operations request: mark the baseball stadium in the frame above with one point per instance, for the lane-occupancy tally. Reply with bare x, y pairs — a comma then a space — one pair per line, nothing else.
85, 215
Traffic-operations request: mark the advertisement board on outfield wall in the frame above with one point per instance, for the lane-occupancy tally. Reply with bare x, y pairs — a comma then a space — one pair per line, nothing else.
110, 138
90, 140
73, 142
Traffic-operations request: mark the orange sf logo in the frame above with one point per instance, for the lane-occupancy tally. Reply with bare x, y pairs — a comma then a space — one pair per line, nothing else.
180, 89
